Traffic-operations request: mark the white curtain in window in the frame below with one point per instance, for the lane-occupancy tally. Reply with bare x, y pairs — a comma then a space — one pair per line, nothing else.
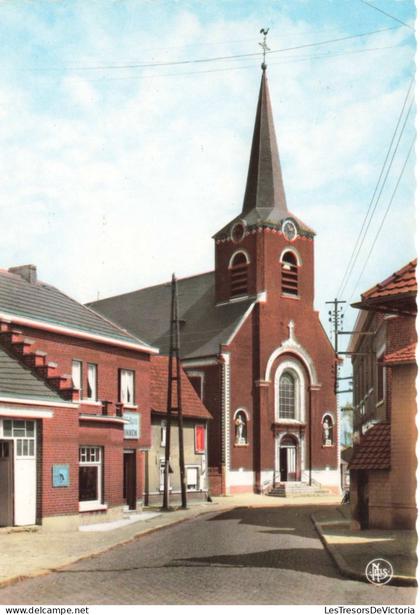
76, 374
127, 386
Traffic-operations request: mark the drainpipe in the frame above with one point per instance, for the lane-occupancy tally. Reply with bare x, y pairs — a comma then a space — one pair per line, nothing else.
310, 436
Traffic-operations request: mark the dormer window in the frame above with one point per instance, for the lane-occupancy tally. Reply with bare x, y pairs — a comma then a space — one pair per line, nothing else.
289, 274
239, 274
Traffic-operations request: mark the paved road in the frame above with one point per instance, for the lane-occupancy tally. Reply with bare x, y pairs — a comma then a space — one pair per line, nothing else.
244, 556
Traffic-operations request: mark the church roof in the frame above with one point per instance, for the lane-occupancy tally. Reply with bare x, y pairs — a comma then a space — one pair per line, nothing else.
204, 325
265, 200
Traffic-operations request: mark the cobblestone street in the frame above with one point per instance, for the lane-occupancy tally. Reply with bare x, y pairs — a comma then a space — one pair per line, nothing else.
244, 556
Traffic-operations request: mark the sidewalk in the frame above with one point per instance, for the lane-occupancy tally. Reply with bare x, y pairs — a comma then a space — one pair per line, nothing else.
28, 552
352, 550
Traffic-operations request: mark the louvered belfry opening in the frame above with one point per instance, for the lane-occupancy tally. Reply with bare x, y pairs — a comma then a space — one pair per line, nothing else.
239, 275
289, 274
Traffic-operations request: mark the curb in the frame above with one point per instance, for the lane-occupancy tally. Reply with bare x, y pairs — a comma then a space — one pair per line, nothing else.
144, 532
345, 569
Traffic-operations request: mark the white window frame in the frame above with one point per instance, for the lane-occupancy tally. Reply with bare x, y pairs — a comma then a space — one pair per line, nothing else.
92, 386
197, 468
24, 443
163, 429
297, 372
127, 382
97, 462
162, 475
77, 368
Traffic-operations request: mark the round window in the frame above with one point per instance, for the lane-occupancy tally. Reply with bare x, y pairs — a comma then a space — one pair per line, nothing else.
238, 232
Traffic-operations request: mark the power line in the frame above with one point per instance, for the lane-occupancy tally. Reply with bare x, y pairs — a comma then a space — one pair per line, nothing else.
364, 227
384, 216
387, 14
206, 60
325, 56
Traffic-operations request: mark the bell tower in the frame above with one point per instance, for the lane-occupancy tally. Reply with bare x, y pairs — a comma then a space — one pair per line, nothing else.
265, 249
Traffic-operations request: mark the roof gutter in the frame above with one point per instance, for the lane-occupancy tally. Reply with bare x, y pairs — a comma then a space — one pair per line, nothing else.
38, 324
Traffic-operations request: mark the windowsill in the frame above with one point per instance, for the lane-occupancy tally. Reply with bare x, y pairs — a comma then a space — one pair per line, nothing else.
90, 402
241, 445
92, 507
130, 406
290, 296
280, 421
200, 452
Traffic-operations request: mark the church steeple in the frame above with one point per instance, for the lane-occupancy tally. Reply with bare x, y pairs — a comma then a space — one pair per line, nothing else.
265, 199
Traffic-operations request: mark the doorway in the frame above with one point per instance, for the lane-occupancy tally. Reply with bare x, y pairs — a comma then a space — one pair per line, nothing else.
289, 470
129, 480
6, 482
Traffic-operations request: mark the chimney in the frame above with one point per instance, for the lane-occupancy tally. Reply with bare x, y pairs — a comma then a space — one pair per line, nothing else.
26, 272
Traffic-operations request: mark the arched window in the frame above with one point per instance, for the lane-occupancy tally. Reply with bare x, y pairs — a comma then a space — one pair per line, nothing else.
287, 396
241, 427
239, 274
289, 274
327, 430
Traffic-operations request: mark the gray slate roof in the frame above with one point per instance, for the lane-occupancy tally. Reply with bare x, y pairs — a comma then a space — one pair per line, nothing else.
18, 381
42, 302
146, 313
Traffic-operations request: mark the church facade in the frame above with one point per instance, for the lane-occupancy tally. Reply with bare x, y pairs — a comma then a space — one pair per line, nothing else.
252, 344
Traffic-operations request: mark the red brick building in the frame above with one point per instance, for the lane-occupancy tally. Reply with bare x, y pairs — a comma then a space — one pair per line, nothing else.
383, 465
74, 407
252, 343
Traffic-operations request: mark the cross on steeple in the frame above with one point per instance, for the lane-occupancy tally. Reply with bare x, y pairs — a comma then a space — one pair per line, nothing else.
264, 46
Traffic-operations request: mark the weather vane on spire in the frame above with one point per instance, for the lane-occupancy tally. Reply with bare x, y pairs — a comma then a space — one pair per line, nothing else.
264, 46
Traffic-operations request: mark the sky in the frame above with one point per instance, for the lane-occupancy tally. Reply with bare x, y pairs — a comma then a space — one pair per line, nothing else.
116, 171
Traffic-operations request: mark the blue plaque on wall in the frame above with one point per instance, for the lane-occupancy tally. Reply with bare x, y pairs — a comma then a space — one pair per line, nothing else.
61, 475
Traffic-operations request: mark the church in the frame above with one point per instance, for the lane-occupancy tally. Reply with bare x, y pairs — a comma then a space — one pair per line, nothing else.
252, 344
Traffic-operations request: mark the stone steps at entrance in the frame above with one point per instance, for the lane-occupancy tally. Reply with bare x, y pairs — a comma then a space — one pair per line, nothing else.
284, 490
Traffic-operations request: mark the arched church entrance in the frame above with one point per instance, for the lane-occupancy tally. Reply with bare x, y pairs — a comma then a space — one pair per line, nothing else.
289, 459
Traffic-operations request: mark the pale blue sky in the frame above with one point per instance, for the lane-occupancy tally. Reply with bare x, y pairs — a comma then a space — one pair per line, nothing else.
112, 178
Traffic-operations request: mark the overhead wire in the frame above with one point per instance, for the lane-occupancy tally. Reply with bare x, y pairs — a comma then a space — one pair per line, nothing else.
203, 60
383, 217
372, 204
387, 14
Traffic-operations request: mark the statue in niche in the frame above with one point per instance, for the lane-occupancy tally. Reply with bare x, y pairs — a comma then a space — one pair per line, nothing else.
327, 428
240, 429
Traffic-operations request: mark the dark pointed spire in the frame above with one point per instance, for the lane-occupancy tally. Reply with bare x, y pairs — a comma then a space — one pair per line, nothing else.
264, 192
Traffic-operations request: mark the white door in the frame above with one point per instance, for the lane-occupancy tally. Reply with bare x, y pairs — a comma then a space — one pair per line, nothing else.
25, 491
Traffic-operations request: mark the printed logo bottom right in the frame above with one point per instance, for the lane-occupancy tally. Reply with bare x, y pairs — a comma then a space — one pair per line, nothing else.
379, 571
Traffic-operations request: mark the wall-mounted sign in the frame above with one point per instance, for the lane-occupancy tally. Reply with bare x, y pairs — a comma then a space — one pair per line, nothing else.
132, 428
61, 475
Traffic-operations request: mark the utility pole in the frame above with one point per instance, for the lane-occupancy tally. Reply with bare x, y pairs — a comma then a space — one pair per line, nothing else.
335, 317
174, 379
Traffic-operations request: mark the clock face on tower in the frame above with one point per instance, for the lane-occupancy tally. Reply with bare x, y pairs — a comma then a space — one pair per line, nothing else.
289, 230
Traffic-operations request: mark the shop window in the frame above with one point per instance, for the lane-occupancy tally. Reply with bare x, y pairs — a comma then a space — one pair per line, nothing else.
127, 386
90, 477
289, 274
327, 430
92, 387
76, 374
193, 478
241, 428
287, 396
200, 438
239, 274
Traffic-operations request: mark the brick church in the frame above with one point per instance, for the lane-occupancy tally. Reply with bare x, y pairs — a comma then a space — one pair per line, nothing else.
252, 344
